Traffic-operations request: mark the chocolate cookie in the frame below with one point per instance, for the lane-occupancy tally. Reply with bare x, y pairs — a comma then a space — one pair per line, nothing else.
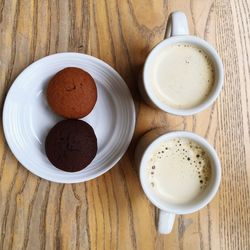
72, 93
71, 145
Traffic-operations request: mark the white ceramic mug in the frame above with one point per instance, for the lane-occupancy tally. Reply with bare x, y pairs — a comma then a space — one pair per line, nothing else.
176, 32
144, 150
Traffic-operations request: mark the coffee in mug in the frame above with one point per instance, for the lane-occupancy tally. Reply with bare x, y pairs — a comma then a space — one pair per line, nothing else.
179, 170
182, 75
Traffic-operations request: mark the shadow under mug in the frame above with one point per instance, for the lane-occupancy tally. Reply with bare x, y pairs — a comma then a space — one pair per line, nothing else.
177, 32
143, 152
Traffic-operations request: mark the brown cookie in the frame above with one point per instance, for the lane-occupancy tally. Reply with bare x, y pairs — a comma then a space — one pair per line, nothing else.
72, 93
71, 145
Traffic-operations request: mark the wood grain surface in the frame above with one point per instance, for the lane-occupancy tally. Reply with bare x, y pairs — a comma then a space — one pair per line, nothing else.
111, 212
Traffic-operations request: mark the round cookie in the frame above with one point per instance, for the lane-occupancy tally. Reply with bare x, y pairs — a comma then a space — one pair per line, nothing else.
72, 93
71, 145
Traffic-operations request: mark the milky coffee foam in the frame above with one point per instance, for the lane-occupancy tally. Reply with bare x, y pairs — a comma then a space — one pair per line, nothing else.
179, 170
182, 76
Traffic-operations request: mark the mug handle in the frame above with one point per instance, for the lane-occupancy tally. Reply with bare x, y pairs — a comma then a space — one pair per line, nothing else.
165, 222
177, 25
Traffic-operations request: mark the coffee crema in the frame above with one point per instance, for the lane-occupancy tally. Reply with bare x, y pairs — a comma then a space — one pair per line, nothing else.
182, 76
179, 170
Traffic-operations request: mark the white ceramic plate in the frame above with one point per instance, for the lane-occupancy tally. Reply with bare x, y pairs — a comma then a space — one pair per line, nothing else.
27, 117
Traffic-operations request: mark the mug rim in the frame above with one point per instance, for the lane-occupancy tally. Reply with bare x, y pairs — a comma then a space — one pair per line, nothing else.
218, 84
179, 208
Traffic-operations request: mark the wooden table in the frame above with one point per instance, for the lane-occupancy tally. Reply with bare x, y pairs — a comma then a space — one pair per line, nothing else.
111, 212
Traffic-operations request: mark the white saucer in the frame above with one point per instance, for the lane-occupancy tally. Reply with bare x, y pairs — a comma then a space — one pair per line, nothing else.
27, 117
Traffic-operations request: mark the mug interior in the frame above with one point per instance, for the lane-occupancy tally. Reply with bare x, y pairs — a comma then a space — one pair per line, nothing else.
203, 198
218, 73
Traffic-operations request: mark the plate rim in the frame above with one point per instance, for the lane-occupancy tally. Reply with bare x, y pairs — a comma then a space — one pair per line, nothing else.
79, 179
